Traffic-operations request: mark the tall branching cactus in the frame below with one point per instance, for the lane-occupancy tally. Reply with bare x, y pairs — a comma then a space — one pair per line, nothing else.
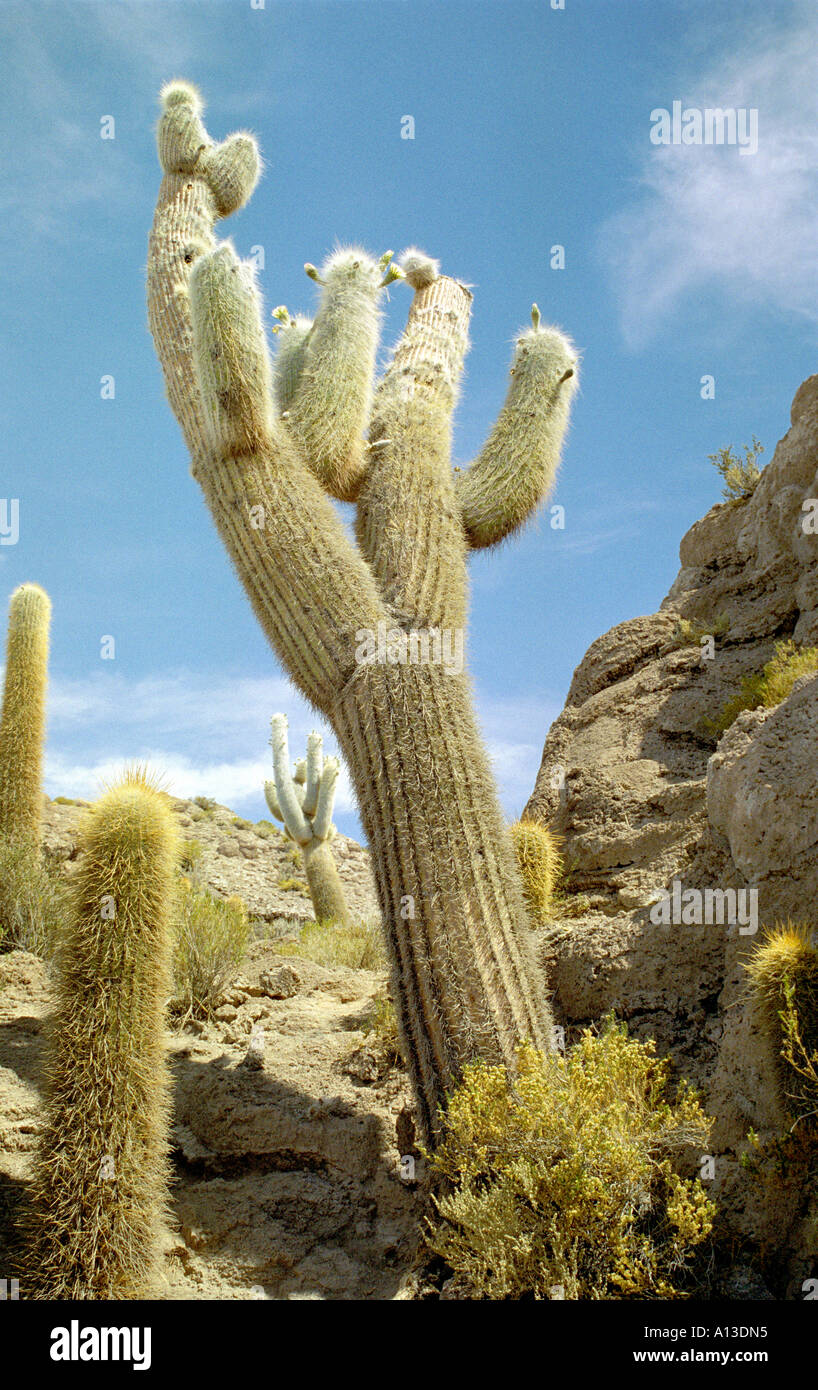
100, 1188
303, 801
22, 725
463, 980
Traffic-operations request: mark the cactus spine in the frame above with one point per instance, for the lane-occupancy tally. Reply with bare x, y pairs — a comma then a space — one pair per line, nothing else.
539, 862
464, 982
304, 801
22, 725
100, 1187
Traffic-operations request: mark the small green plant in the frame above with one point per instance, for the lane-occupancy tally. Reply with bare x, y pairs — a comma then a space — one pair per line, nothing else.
242, 824
740, 476
211, 936
562, 1183
380, 1028
33, 901
688, 633
190, 853
267, 831
768, 687
206, 805
359, 946
293, 885
68, 801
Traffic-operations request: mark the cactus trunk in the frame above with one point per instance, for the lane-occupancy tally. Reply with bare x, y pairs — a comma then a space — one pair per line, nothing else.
463, 979
101, 1176
325, 886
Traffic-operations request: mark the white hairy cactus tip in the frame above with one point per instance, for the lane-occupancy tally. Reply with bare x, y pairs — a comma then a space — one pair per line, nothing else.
177, 92
351, 262
419, 269
552, 349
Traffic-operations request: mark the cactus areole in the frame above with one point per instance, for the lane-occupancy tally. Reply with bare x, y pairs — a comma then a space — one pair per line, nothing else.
270, 446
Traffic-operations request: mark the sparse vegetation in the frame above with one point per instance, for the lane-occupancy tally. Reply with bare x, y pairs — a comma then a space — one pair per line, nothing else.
242, 824
769, 687
380, 1029
190, 852
267, 831
740, 476
359, 947
33, 901
563, 1183
211, 936
206, 805
689, 633
293, 885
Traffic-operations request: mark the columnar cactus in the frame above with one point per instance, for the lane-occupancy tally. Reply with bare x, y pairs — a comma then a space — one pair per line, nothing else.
539, 862
303, 801
22, 725
464, 982
101, 1177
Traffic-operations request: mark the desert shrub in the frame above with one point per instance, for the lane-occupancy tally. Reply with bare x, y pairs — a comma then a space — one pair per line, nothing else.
769, 687
34, 902
242, 824
565, 1179
293, 885
68, 801
266, 830
206, 805
190, 852
688, 633
294, 856
380, 1028
211, 936
360, 946
783, 975
740, 476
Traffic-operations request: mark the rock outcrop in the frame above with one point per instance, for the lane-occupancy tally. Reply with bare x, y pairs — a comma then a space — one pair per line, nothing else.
642, 794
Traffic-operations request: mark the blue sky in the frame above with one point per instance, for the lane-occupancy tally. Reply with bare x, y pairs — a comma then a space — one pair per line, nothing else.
532, 128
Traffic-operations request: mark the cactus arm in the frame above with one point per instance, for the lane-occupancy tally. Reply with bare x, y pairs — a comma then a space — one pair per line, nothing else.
286, 792
308, 586
314, 766
516, 468
272, 800
22, 725
322, 819
292, 340
408, 525
330, 408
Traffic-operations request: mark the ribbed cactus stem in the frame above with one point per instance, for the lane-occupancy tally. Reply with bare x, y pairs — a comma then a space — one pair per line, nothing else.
288, 363
22, 724
291, 812
329, 413
100, 1189
516, 468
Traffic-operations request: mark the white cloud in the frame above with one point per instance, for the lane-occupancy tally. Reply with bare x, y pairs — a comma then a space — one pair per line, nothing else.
712, 219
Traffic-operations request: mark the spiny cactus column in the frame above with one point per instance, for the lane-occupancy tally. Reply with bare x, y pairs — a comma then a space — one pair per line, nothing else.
304, 801
539, 862
463, 981
22, 725
101, 1180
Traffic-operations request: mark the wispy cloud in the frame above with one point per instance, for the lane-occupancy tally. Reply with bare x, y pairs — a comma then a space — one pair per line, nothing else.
709, 219
208, 736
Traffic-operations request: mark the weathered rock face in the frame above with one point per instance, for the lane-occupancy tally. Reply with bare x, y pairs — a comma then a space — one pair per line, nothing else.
636, 785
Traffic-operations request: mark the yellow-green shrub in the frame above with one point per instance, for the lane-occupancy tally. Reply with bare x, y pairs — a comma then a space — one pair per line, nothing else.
211, 936
33, 901
360, 947
769, 687
565, 1181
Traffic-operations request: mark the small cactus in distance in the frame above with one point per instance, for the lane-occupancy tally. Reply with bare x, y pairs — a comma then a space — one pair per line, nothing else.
303, 801
539, 863
22, 725
100, 1189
